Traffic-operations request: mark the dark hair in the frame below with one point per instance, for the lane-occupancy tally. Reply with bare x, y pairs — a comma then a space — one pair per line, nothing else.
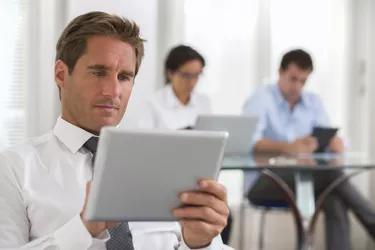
301, 58
178, 56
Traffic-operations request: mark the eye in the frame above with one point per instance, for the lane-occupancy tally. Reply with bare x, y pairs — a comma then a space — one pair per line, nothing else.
98, 73
123, 77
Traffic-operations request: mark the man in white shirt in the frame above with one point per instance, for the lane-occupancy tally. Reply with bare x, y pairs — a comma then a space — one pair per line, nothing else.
44, 181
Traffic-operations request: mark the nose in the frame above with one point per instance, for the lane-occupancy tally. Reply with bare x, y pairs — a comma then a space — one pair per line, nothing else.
192, 82
111, 87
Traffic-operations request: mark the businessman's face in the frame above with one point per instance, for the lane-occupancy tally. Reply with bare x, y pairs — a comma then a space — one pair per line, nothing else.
97, 91
291, 82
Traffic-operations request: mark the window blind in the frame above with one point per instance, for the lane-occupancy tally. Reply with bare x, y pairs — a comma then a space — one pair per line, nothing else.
13, 62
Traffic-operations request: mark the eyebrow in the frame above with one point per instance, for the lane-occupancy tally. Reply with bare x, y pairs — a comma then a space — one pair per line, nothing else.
105, 67
99, 66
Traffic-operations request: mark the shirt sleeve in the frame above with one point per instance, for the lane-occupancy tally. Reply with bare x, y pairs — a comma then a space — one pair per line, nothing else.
15, 224
256, 106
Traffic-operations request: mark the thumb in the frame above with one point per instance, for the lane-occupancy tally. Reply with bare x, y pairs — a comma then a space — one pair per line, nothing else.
88, 187
310, 140
314, 142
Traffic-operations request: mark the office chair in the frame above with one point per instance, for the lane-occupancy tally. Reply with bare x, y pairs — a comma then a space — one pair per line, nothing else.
265, 207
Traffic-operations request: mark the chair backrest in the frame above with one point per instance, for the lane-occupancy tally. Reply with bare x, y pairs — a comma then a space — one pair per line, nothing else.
270, 204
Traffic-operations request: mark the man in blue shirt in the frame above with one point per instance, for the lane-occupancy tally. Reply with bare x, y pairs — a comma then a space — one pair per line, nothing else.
287, 115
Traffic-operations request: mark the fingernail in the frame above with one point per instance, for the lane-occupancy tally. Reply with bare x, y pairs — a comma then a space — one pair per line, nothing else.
184, 197
204, 184
175, 212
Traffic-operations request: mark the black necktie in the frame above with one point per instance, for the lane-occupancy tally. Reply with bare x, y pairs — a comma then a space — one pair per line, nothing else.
121, 237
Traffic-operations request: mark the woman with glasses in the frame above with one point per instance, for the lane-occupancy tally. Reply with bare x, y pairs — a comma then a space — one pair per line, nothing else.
177, 105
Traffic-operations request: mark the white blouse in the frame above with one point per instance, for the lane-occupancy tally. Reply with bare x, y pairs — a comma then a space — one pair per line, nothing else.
165, 111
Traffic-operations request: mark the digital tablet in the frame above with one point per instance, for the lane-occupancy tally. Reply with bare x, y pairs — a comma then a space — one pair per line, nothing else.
186, 128
139, 174
323, 136
240, 129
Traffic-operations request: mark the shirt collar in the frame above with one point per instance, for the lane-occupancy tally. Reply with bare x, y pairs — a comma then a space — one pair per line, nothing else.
281, 100
71, 136
174, 102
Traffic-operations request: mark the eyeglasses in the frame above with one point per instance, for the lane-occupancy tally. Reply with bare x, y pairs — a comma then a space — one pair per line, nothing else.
189, 76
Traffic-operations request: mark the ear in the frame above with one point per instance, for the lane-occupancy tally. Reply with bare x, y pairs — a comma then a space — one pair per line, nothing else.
61, 70
170, 75
280, 71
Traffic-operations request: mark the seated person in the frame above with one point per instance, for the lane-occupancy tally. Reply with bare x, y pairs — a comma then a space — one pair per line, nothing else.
44, 181
287, 116
177, 105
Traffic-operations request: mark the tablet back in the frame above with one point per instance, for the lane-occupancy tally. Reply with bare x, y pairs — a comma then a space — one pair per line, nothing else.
240, 128
138, 175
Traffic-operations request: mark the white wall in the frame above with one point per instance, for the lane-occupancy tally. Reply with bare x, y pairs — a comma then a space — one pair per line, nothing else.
371, 104
371, 77
169, 33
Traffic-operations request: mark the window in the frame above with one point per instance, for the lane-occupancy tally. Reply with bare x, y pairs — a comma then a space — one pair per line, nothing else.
224, 32
13, 62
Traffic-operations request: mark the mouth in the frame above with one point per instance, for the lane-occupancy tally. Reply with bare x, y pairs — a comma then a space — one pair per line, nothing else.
107, 107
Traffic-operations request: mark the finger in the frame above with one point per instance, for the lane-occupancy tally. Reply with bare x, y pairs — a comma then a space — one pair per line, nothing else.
335, 138
315, 142
310, 140
88, 188
112, 224
201, 227
215, 188
205, 199
200, 213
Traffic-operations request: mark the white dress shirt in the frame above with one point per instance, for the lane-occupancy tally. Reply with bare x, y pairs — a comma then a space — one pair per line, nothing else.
164, 110
42, 192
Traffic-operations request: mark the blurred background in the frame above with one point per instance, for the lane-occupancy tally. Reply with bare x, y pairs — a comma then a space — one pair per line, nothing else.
242, 42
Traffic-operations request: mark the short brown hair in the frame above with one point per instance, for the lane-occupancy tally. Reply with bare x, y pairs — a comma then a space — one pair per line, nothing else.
73, 40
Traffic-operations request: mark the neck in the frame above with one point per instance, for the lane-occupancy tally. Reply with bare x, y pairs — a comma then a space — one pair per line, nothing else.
292, 105
184, 98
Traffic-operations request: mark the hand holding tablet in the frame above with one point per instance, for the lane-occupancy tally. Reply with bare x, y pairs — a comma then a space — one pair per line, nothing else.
323, 136
205, 214
160, 176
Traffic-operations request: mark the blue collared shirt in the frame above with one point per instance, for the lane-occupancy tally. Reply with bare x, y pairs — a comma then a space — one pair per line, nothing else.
278, 122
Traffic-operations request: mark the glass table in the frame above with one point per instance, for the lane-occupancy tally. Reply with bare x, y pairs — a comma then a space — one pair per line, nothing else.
304, 206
